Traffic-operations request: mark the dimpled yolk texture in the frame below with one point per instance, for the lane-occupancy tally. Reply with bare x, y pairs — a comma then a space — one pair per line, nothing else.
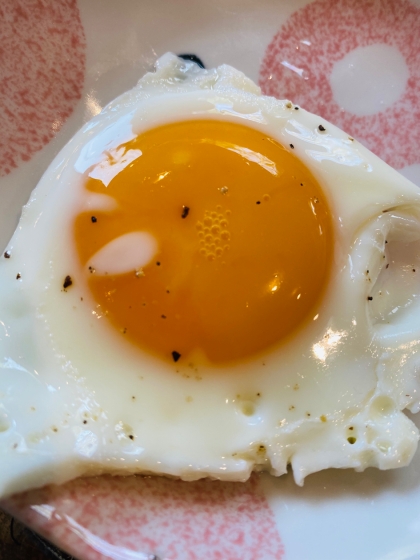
243, 236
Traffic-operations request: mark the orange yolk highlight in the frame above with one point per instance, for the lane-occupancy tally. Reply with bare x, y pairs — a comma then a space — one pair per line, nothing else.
243, 235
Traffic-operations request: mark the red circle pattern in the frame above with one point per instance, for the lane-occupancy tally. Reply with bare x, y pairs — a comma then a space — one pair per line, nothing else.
42, 64
317, 36
205, 519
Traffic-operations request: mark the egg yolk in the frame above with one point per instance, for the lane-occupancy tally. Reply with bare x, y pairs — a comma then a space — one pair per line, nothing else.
243, 241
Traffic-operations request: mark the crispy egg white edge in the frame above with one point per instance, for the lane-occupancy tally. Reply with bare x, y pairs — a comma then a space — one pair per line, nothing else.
55, 445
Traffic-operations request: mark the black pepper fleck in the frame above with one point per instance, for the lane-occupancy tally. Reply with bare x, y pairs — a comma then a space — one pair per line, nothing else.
296, 108
185, 211
291, 145
163, 316
387, 265
176, 355
84, 421
94, 219
158, 263
67, 282
18, 276
131, 437
6, 255
321, 128
370, 298
258, 202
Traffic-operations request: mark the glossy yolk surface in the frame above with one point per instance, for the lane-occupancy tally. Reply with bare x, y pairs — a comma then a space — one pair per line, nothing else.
244, 241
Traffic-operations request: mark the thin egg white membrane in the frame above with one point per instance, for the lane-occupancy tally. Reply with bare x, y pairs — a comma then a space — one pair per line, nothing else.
76, 398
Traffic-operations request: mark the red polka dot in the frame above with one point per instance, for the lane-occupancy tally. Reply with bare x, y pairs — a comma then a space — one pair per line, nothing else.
109, 517
42, 63
322, 33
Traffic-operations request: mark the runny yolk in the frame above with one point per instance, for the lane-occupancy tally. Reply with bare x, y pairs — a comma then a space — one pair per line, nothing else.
243, 241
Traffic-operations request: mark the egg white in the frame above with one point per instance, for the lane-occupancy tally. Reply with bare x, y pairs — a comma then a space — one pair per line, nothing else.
76, 398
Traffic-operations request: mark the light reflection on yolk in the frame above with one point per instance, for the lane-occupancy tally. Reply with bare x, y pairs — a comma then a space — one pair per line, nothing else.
223, 285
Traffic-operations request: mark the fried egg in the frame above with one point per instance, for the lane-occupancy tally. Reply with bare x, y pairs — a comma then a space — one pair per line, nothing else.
207, 282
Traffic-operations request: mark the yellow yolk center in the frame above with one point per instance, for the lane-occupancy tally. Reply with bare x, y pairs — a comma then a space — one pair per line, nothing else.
243, 241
